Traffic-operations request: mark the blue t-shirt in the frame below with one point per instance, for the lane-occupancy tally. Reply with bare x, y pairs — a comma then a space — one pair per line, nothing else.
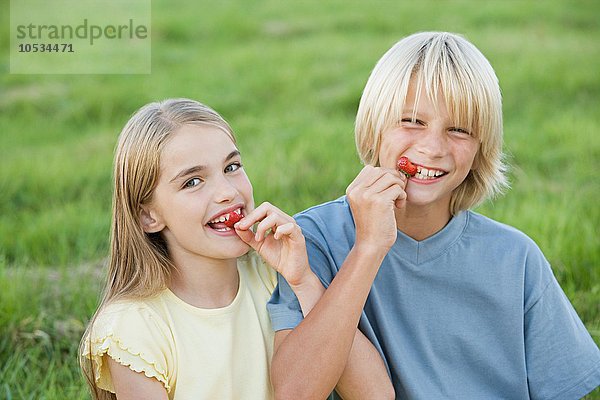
472, 312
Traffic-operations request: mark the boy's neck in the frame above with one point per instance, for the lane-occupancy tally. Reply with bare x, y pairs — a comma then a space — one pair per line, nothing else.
422, 222
205, 283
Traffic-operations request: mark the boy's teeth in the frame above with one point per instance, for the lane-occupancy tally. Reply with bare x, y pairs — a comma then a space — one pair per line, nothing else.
424, 173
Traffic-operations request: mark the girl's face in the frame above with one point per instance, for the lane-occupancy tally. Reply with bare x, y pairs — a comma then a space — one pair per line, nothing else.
443, 152
201, 179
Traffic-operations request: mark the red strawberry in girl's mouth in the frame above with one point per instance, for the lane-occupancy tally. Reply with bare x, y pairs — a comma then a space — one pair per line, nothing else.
233, 217
406, 167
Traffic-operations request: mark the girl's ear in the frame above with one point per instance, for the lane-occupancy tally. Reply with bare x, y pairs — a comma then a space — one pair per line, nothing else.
150, 220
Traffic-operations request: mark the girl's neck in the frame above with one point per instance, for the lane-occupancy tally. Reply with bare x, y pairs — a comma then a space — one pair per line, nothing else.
422, 222
205, 283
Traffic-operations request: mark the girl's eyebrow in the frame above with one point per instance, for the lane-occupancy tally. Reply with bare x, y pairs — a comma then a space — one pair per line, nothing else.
198, 168
187, 171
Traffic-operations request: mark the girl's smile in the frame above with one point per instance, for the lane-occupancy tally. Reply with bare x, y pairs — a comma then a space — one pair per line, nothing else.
221, 222
197, 191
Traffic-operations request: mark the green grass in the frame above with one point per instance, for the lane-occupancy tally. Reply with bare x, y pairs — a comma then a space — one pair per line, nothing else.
288, 77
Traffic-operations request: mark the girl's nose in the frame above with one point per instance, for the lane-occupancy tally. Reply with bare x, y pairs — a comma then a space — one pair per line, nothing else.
225, 191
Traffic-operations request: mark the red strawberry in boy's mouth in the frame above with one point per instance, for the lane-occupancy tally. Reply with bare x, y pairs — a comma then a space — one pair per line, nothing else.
225, 222
406, 167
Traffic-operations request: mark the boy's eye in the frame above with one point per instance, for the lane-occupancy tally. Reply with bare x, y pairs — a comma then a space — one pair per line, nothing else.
192, 183
460, 130
233, 167
411, 121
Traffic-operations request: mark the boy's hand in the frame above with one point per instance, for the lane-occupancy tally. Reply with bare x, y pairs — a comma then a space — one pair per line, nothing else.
373, 196
278, 240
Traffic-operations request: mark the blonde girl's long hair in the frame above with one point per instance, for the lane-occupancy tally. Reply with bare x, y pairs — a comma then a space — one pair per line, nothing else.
139, 264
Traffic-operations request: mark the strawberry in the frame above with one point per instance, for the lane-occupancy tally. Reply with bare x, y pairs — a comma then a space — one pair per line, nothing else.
405, 166
233, 218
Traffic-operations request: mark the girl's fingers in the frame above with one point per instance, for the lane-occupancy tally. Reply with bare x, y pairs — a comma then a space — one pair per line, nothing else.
260, 213
290, 229
247, 236
275, 223
270, 222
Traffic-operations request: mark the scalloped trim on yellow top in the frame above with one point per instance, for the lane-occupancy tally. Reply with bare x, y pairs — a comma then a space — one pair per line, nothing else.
124, 355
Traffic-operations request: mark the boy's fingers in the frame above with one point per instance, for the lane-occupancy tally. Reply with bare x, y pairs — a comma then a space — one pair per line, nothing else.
371, 176
385, 181
365, 177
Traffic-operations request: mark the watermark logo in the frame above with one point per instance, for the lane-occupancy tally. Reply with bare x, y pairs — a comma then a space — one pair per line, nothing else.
80, 37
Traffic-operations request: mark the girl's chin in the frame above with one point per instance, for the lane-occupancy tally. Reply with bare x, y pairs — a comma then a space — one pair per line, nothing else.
243, 249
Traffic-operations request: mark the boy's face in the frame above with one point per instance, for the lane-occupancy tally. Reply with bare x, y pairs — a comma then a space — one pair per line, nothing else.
201, 179
443, 152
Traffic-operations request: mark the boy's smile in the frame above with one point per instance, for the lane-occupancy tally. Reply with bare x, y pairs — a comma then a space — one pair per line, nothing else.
442, 151
428, 174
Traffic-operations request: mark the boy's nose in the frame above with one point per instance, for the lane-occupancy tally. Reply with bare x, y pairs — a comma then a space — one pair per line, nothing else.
433, 143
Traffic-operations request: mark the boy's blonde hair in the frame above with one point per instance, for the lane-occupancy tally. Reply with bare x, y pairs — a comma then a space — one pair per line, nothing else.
139, 264
443, 64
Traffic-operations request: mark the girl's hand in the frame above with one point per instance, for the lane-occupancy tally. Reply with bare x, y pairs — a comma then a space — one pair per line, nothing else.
373, 196
278, 240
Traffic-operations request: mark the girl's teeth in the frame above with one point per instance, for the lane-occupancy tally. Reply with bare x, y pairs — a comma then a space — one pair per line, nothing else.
225, 217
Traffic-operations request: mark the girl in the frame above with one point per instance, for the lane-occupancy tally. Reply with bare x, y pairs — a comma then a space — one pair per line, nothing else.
183, 314
459, 305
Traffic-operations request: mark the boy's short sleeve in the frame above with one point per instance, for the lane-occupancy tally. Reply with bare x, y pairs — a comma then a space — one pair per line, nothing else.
131, 335
563, 362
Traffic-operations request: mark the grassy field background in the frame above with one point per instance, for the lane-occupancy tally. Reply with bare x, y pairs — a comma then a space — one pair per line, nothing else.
288, 77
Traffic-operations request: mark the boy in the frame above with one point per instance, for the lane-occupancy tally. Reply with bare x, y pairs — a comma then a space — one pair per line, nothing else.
460, 306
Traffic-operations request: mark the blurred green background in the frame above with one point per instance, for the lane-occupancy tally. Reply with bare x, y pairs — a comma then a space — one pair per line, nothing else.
288, 77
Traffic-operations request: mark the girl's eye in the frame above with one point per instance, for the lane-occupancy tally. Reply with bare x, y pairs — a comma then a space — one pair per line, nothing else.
192, 183
233, 167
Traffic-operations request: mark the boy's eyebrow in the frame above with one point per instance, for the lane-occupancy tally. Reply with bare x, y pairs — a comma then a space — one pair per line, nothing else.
198, 168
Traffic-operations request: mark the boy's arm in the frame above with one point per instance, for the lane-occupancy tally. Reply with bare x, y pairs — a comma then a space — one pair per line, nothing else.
365, 374
320, 347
